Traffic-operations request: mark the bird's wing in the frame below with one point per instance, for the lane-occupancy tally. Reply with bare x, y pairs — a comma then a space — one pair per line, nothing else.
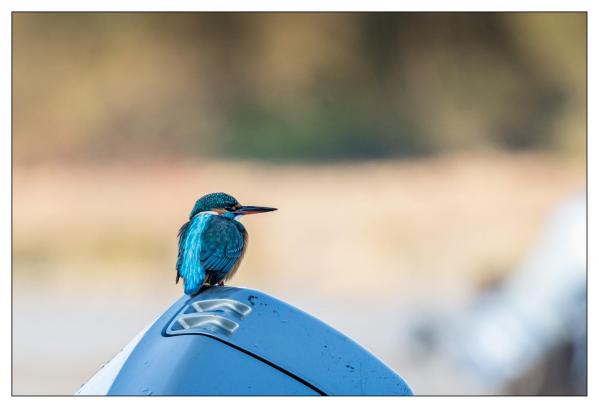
222, 245
189, 266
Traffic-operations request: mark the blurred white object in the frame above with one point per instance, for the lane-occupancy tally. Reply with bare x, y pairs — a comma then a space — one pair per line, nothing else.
540, 306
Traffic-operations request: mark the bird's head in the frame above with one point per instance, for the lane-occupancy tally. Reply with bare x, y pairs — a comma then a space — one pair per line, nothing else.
225, 204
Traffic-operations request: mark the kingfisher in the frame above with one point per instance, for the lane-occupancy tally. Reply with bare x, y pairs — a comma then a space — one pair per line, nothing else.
212, 243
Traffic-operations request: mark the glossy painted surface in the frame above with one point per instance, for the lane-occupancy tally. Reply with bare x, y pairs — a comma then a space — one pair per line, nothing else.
269, 347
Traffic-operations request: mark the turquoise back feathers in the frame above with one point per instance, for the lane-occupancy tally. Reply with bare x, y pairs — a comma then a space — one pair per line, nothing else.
190, 248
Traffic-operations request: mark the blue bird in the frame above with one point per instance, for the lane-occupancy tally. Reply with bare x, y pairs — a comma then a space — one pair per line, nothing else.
212, 242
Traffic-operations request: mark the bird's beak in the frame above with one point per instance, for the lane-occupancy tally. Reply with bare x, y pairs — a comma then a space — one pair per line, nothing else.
250, 209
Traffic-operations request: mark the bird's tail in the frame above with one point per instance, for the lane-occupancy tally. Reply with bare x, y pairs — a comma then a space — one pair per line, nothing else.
192, 291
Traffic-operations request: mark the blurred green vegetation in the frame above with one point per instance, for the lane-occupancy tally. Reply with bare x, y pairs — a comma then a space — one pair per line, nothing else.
295, 86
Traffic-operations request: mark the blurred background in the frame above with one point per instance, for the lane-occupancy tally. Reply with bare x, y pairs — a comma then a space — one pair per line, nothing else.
429, 169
